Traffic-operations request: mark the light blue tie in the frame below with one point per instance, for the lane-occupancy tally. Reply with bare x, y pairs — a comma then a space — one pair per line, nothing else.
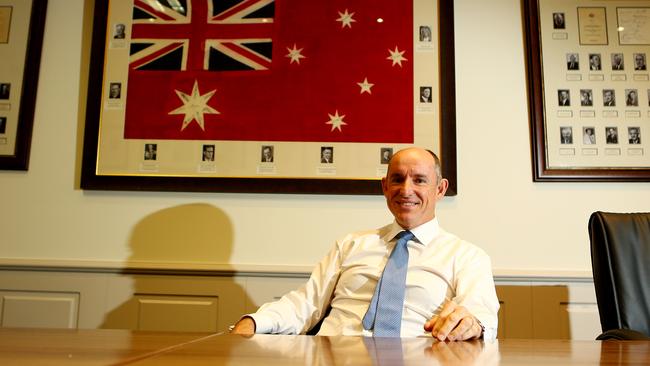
384, 314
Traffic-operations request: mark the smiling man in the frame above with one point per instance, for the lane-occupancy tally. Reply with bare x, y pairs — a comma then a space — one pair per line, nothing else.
442, 286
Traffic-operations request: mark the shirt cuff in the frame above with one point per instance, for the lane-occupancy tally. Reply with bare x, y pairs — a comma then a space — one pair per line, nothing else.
263, 324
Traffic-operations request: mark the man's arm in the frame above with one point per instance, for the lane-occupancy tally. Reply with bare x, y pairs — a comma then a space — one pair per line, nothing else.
300, 309
472, 312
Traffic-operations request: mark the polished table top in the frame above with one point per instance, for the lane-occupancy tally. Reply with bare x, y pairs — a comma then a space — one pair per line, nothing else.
122, 347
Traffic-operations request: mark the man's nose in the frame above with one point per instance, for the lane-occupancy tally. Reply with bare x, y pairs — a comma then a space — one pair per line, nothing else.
407, 187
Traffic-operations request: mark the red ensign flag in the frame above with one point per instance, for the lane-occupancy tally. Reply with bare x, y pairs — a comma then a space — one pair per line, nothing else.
265, 70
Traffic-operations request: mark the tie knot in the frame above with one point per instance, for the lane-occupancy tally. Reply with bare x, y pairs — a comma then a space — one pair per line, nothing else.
404, 236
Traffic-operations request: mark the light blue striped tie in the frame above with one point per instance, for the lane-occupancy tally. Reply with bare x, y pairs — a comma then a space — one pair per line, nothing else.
384, 314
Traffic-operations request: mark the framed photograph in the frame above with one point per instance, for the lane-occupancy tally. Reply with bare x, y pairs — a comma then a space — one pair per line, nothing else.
261, 96
613, 40
22, 23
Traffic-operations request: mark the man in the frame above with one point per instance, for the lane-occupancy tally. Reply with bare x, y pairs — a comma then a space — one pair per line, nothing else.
558, 21
634, 137
572, 61
612, 135
120, 31
115, 90
425, 94
208, 152
326, 155
617, 61
594, 62
449, 286
5, 88
566, 135
609, 100
563, 98
639, 61
267, 154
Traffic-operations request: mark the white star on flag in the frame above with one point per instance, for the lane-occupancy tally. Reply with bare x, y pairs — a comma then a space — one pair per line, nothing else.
336, 121
365, 86
194, 106
397, 56
345, 19
295, 54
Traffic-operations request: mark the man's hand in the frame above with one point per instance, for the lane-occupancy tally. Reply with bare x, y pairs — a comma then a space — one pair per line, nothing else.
454, 323
245, 326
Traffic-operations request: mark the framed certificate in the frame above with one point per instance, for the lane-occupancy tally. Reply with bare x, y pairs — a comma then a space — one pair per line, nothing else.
589, 89
281, 96
21, 36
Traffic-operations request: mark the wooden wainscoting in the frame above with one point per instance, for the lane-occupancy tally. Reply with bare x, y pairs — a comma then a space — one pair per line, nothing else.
212, 301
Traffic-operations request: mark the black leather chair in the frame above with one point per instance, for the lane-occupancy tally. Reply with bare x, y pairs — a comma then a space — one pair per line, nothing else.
620, 257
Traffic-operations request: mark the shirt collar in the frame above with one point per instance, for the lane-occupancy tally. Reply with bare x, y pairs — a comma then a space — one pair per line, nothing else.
423, 233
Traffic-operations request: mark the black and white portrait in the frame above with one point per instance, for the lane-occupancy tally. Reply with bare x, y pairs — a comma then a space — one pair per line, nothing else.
611, 135
425, 33
586, 97
114, 90
5, 90
634, 135
631, 98
639, 62
595, 63
558, 21
563, 97
425, 94
609, 98
566, 135
3, 125
326, 154
385, 153
588, 135
208, 153
119, 31
617, 61
150, 151
572, 61
267, 154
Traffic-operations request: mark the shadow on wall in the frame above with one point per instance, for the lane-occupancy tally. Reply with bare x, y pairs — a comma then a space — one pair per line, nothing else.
161, 288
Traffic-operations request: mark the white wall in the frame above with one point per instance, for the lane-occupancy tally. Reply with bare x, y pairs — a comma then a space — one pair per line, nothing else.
526, 227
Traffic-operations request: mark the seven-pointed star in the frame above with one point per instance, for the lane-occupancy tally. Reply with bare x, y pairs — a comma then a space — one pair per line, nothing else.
336, 121
365, 86
345, 19
295, 54
194, 106
397, 56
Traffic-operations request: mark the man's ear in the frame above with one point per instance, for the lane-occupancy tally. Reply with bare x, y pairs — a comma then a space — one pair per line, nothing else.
442, 187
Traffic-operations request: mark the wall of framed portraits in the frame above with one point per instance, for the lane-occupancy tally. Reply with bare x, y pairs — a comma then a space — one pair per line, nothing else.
528, 229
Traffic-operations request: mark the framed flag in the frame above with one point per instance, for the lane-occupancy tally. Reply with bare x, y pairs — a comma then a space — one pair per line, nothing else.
273, 96
22, 23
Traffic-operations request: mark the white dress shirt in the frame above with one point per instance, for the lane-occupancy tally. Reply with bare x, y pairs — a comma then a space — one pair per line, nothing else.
441, 268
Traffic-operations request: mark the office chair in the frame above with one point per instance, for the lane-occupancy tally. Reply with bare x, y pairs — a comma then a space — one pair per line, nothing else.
620, 257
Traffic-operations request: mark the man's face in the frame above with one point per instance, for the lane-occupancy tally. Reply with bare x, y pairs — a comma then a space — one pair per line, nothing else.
209, 153
115, 90
564, 95
638, 60
426, 92
634, 133
411, 188
267, 153
566, 133
327, 154
607, 96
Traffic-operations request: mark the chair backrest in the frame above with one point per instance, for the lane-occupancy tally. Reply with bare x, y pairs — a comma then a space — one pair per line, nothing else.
620, 257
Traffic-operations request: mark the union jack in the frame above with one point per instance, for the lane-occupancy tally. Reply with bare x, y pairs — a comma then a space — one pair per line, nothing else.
225, 35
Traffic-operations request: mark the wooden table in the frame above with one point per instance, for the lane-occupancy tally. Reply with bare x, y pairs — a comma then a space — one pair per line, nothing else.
121, 347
